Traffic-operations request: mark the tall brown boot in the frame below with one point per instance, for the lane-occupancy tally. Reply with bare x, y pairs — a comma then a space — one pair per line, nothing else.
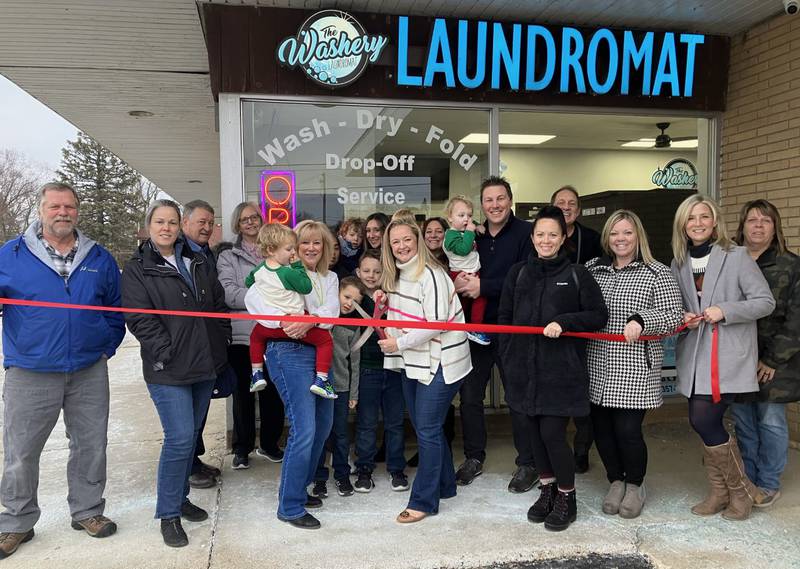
717, 499
741, 490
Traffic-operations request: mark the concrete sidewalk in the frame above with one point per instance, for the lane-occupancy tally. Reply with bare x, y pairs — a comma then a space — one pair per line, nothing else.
483, 525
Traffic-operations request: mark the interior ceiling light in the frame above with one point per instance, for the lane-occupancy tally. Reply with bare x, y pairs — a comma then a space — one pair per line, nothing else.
140, 114
508, 139
650, 143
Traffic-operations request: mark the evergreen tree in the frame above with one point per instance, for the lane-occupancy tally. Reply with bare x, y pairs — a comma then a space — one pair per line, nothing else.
112, 205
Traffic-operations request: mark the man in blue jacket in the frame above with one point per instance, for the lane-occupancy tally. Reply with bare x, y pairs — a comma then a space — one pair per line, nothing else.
56, 359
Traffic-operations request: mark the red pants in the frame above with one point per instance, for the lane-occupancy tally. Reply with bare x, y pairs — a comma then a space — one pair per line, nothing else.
317, 337
474, 307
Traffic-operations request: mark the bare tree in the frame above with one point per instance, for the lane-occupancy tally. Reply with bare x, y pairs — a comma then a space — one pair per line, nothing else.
19, 183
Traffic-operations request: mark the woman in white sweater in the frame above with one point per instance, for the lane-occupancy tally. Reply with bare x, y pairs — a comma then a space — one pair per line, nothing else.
432, 362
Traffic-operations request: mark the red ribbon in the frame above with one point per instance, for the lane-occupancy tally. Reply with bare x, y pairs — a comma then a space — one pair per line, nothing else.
715, 395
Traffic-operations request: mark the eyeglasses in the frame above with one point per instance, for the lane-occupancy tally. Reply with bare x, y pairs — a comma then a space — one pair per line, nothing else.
251, 219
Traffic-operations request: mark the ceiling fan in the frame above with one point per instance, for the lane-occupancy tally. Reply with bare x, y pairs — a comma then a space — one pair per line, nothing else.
663, 140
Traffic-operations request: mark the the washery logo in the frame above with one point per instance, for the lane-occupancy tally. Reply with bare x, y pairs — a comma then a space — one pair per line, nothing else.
332, 48
678, 174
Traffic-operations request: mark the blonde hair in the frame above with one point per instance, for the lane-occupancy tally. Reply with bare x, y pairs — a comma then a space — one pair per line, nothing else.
451, 203
272, 235
304, 228
679, 238
424, 257
402, 214
642, 245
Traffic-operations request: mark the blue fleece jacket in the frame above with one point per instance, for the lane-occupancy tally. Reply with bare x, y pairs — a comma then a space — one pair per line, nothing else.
57, 339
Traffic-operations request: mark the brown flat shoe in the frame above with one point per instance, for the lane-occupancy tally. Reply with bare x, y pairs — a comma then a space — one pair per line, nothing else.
410, 517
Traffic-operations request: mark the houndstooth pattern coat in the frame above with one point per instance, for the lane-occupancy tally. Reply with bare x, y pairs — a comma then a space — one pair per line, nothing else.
625, 375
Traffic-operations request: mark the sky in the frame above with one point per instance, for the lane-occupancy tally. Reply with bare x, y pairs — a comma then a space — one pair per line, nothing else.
31, 128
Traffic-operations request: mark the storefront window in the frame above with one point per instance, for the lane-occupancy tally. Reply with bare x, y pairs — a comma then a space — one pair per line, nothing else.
329, 162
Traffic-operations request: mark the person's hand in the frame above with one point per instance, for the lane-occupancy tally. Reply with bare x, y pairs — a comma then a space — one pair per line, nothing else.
380, 299
479, 228
472, 288
552, 330
296, 330
352, 403
461, 281
765, 374
691, 320
713, 314
389, 345
632, 331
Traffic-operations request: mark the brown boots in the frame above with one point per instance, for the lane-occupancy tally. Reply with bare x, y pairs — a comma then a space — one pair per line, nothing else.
731, 490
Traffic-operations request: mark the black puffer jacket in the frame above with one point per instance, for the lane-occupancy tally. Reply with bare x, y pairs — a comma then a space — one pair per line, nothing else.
176, 350
546, 376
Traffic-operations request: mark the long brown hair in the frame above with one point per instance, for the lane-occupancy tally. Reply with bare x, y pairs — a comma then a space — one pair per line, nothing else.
768, 209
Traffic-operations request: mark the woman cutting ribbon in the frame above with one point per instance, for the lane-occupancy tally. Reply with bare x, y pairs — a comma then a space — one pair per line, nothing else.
724, 294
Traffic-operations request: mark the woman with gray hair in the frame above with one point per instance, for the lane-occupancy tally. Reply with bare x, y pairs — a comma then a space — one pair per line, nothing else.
234, 263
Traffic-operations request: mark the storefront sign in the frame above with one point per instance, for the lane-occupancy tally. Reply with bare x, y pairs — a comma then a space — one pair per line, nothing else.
678, 174
279, 197
332, 48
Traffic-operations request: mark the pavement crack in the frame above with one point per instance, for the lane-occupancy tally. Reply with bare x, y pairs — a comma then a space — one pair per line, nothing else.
215, 523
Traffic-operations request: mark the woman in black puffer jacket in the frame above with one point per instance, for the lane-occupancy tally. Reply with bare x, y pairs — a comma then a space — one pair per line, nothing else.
546, 376
181, 356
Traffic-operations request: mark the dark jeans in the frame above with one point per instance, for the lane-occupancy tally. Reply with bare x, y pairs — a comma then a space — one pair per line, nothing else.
473, 392
270, 407
181, 409
584, 437
291, 367
338, 442
618, 434
550, 447
380, 390
427, 407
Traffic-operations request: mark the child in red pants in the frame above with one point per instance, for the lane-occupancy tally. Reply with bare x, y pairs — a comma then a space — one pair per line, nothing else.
282, 284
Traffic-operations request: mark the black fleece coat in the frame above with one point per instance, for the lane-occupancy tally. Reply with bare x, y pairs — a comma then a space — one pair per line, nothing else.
176, 350
546, 376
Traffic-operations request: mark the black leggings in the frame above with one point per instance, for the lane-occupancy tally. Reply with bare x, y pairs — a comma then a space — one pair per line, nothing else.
619, 440
706, 416
551, 452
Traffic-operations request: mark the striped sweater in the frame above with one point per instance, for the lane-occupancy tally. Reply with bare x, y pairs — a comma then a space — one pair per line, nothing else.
432, 298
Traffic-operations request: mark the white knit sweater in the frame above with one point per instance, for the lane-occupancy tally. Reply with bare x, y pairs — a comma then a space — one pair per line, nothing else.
432, 298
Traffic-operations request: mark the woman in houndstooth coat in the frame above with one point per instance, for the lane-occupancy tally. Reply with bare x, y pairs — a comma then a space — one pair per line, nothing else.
643, 298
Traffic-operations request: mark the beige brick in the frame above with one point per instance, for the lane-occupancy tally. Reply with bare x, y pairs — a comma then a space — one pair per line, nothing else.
772, 147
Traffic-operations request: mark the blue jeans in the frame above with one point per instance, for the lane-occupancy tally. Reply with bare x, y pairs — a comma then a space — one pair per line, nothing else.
338, 442
380, 389
763, 437
427, 406
182, 409
291, 367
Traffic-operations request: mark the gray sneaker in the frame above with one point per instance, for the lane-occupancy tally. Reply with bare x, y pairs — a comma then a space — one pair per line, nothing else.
767, 498
469, 470
633, 502
614, 498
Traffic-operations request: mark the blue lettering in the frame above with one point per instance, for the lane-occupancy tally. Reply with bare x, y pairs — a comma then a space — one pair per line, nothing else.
692, 41
403, 78
439, 44
531, 84
630, 54
480, 63
571, 51
510, 59
591, 62
668, 58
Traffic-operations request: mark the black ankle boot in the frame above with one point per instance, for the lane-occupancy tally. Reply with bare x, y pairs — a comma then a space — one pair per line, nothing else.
544, 505
172, 532
565, 510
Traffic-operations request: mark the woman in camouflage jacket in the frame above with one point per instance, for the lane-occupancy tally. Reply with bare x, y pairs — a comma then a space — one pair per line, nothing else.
761, 426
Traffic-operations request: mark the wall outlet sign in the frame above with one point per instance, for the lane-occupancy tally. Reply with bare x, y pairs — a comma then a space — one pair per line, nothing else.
332, 48
678, 174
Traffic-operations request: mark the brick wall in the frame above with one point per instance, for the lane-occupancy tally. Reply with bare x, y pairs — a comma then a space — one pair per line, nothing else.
761, 132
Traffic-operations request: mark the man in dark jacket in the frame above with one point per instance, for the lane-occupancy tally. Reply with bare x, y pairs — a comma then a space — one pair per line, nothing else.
582, 245
505, 241
56, 359
197, 225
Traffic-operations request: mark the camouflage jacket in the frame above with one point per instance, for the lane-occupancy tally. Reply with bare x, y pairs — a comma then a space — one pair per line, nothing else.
779, 333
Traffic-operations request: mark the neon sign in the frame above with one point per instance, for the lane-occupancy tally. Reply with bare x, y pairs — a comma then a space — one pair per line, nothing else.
279, 197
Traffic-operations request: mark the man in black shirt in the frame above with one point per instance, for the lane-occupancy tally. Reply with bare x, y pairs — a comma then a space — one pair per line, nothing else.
582, 244
505, 241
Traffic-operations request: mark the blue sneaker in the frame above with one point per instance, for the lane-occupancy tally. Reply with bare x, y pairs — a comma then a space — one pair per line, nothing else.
257, 381
481, 338
323, 388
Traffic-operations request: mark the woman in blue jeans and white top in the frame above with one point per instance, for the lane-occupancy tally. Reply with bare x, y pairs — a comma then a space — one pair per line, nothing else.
181, 357
432, 361
761, 429
291, 368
